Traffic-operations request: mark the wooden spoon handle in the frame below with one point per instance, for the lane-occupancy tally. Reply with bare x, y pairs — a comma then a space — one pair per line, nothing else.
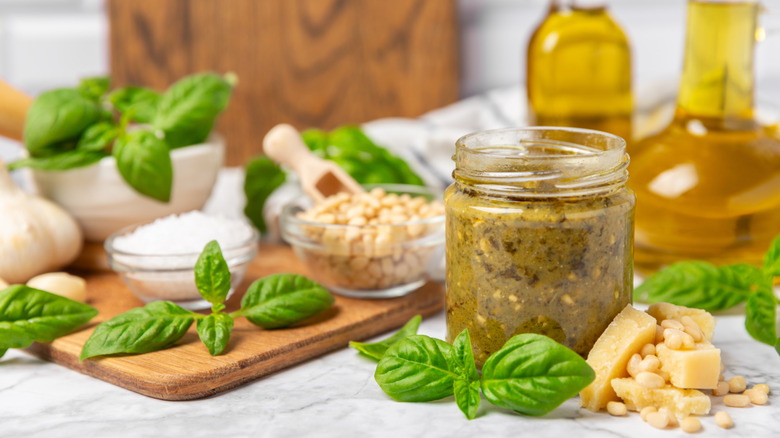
284, 144
13, 109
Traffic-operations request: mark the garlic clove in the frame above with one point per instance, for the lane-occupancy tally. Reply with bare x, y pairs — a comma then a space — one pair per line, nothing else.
61, 283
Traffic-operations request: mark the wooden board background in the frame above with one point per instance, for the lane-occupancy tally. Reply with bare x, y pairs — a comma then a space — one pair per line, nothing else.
311, 63
186, 371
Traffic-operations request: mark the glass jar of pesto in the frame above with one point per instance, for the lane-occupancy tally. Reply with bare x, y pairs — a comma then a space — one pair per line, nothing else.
539, 232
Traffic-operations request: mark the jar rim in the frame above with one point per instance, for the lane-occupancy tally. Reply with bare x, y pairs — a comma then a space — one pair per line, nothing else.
541, 161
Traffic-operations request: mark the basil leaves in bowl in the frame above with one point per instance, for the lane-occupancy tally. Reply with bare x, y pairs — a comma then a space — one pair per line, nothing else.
114, 158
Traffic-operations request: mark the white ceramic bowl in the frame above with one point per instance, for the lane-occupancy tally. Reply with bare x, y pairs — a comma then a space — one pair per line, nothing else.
102, 202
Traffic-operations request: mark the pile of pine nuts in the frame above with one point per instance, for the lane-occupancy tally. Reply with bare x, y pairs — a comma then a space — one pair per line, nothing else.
368, 249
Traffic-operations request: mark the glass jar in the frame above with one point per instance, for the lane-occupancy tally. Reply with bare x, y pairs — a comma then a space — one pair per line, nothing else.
539, 236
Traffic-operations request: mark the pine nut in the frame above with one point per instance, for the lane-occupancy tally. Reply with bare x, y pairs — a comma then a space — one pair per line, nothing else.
672, 417
659, 334
722, 389
673, 339
736, 400
672, 324
723, 419
650, 380
737, 384
756, 396
616, 409
659, 420
762, 387
647, 410
690, 425
650, 363
647, 350
633, 365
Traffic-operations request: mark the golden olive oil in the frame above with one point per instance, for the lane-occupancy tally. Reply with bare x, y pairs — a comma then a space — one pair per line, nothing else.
708, 185
579, 71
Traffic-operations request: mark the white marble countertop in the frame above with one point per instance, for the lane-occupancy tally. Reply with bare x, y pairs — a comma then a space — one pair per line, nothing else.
336, 396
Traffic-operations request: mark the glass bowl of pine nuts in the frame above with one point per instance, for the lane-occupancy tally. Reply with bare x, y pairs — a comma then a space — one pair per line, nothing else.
380, 244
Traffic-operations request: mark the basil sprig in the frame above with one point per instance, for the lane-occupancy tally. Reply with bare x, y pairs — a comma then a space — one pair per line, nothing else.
532, 374
272, 302
706, 286
67, 128
30, 315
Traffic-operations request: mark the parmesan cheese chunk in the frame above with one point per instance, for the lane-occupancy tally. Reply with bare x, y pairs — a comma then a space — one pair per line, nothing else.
697, 368
680, 402
706, 322
626, 335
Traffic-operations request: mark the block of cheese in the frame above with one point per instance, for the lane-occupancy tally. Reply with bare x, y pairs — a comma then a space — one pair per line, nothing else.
662, 311
680, 402
698, 368
625, 336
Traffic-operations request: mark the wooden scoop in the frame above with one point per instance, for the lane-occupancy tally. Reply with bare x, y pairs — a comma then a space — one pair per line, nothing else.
319, 178
13, 109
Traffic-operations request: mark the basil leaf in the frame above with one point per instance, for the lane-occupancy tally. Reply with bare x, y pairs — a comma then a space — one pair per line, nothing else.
532, 374
94, 87
140, 102
3, 351
214, 331
144, 161
263, 176
98, 137
377, 349
467, 396
417, 369
760, 315
28, 315
141, 330
212, 275
64, 161
187, 110
57, 116
772, 259
701, 285
282, 299
466, 385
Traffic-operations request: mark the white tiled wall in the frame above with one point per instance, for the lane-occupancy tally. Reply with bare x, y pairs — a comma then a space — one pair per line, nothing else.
51, 43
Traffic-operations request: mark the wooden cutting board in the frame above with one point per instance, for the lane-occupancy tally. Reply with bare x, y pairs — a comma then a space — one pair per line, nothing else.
186, 371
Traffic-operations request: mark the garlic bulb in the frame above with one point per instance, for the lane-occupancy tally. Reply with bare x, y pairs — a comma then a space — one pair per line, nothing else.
36, 235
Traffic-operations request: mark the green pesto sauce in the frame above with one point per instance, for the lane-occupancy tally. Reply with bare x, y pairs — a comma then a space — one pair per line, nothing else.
561, 267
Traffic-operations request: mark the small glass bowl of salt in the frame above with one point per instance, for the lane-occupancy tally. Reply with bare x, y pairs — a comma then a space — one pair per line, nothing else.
157, 260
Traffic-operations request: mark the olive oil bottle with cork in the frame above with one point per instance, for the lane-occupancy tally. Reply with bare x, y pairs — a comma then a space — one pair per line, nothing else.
579, 69
708, 185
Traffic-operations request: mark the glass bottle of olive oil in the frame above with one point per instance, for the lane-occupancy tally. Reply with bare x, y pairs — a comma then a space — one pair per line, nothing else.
708, 185
579, 69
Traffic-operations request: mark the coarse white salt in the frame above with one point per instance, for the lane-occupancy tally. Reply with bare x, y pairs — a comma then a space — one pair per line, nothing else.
185, 233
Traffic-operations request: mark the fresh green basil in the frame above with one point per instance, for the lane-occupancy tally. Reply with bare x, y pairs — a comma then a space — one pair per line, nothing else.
58, 116
95, 87
140, 102
280, 300
64, 161
532, 374
466, 385
214, 331
701, 285
417, 369
3, 351
212, 275
141, 330
98, 137
377, 349
760, 316
187, 110
30, 315
772, 259
144, 162
263, 176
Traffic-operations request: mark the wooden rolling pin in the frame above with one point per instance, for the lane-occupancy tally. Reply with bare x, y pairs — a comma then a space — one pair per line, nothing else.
13, 108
